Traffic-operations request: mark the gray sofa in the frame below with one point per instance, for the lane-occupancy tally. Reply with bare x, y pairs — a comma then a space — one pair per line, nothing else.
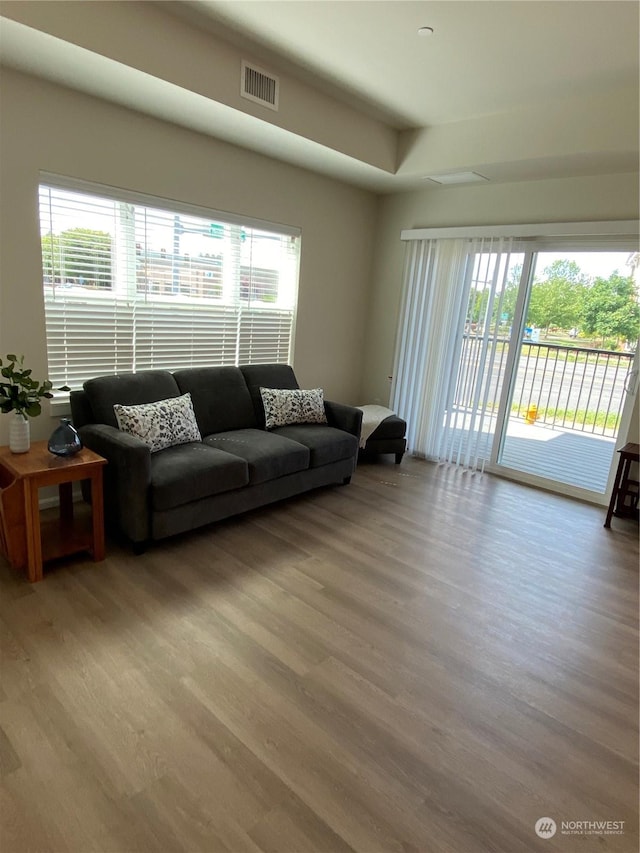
238, 465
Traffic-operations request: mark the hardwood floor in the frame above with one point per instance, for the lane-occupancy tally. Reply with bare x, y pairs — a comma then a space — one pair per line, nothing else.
421, 661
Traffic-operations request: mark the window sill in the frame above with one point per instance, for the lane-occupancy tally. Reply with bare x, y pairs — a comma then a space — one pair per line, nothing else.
60, 408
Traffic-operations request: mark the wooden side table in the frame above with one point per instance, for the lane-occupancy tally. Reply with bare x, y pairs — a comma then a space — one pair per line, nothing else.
22, 537
623, 486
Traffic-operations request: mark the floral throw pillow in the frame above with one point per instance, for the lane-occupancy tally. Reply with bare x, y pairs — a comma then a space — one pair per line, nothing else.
283, 407
162, 424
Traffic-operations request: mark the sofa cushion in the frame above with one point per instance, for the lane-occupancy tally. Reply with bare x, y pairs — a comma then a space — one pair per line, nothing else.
129, 389
283, 406
189, 472
162, 424
268, 456
221, 399
326, 444
266, 376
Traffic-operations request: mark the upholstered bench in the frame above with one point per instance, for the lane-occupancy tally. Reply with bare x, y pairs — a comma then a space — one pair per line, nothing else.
387, 437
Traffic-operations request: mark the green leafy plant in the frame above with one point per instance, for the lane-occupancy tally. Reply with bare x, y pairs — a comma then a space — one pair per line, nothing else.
19, 391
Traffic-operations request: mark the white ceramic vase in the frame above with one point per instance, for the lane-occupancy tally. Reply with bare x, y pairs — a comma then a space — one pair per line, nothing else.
19, 433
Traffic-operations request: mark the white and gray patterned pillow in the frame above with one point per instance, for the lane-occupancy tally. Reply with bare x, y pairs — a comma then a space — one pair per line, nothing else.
162, 424
283, 406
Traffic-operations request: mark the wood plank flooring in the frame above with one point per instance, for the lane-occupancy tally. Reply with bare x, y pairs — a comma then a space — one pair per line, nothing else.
424, 660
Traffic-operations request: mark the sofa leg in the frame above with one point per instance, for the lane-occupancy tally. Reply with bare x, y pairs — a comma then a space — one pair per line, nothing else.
399, 457
346, 481
139, 548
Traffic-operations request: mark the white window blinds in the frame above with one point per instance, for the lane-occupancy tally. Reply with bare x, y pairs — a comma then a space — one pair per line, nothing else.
128, 286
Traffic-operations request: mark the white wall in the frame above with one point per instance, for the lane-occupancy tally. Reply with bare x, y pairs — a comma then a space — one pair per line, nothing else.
577, 199
47, 127
89, 37
348, 303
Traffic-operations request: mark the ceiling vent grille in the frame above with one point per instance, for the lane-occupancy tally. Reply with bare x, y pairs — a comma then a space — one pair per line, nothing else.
259, 86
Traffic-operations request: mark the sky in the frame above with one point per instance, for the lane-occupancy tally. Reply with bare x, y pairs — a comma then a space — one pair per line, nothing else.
593, 264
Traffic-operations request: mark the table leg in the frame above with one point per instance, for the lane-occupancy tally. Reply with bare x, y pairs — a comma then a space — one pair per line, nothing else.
615, 491
32, 524
623, 489
97, 515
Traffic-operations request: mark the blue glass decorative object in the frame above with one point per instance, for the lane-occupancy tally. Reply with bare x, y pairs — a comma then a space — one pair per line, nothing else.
65, 440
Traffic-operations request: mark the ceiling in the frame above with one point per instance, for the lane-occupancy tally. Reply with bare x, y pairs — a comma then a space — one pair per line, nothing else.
483, 57
512, 89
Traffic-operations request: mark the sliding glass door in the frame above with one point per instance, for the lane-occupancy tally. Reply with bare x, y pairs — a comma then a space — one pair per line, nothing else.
515, 354
566, 394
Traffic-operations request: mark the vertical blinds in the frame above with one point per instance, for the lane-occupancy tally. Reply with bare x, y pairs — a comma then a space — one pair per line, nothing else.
128, 287
428, 339
452, 346
476, 383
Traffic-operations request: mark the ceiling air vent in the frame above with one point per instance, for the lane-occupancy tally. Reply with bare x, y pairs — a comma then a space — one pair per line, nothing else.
259, 86
456, 178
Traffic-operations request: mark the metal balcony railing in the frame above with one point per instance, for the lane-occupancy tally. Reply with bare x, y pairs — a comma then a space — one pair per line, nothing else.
572, 388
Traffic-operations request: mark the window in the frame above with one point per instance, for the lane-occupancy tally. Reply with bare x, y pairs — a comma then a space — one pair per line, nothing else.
130, 285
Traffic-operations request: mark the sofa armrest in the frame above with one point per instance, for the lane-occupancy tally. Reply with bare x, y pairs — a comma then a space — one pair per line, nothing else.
341, 416
127, 477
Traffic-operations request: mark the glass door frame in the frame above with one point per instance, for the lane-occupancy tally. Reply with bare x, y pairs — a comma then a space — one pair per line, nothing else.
508, 382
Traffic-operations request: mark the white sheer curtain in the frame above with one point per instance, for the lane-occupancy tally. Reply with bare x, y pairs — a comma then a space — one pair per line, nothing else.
448, 375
